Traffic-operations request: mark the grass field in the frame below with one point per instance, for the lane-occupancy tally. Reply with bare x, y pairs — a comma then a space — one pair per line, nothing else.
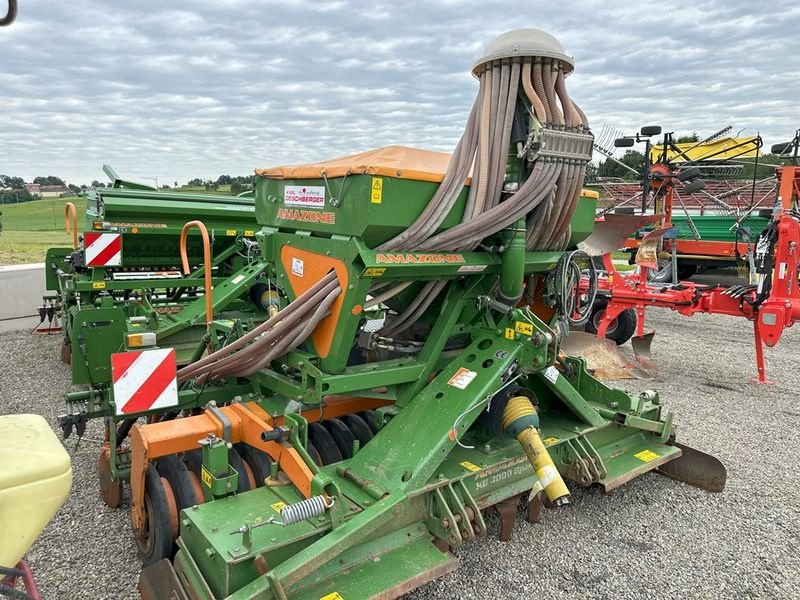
30, 228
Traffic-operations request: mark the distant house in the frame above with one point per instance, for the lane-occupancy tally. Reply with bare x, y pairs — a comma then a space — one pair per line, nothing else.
53, 191
34, 188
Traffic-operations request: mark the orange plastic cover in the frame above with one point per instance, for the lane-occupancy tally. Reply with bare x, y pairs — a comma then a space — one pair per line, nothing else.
392, 161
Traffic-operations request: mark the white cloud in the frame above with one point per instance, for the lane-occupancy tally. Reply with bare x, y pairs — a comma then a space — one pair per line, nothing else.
202, 87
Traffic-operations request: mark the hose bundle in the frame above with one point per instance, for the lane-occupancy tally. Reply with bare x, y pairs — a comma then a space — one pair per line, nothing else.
522, 109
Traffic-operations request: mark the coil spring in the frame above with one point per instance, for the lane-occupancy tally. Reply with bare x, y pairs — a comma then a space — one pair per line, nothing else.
305, 510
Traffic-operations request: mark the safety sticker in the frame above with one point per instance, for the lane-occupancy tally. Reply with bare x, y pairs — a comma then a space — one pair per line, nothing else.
249, 233
551, 373
550, 441
307, 196
278, 506
523, 328
374, 271
462, 378
333, 596
98, 285
377, 190
646, 455
470, 466
230, 232
205, 476
297, 267
510, 333
782, 268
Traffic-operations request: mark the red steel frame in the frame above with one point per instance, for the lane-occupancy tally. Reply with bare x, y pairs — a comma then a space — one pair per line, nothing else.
780, 310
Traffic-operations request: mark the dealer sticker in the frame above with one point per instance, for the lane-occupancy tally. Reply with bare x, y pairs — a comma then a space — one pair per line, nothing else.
307, 196
551, 373
462, 378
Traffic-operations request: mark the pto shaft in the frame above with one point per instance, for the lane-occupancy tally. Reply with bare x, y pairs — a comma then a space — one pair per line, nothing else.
521, 420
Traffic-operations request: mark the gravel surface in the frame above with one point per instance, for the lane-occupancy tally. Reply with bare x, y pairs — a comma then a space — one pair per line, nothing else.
653, 538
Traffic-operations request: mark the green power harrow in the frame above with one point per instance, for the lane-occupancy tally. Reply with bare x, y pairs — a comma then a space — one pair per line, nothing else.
411, 378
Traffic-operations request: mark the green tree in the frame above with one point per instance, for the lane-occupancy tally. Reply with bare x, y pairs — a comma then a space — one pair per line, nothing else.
49, 180
692, 138
632, 158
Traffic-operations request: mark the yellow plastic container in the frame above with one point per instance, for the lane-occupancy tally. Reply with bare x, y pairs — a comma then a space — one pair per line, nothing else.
35, 477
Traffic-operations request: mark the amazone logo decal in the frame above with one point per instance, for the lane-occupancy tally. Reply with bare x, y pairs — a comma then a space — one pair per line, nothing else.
308, 216
418, 258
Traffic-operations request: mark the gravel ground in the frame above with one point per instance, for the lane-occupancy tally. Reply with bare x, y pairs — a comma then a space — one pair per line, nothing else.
652, 538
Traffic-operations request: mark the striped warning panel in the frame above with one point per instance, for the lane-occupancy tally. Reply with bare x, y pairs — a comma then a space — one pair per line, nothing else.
144, 380
103, 249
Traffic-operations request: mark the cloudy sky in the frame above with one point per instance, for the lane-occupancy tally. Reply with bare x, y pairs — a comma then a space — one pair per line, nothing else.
177, 89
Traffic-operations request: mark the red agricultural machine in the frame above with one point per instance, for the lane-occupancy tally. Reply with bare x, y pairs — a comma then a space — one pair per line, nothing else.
771, 300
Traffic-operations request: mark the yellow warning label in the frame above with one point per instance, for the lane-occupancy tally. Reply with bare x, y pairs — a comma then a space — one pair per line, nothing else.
99, 285
550, 441
646, 455
230, 232
523, 328
249, 232
332, 596
377, 190
205, 476
278, 506
374, 271
509, 333
470, 466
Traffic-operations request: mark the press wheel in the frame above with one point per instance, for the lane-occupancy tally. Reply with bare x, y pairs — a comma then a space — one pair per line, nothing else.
324, 443
359, 428
258, 461
343, 437
160, 518
180, 480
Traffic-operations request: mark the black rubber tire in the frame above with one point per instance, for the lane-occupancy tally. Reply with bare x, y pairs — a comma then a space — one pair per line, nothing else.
258, 461
343, 437
326, 446
620, 330
664, 273
193, 459
235, 461
359, 428
158, 544
174, 470
686, 271
373, 419
314, 453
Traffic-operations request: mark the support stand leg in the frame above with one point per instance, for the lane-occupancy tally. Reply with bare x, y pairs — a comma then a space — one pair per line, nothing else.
762, 371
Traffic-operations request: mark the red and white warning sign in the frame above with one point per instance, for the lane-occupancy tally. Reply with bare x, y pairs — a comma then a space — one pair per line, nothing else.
103, 249
144, 380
